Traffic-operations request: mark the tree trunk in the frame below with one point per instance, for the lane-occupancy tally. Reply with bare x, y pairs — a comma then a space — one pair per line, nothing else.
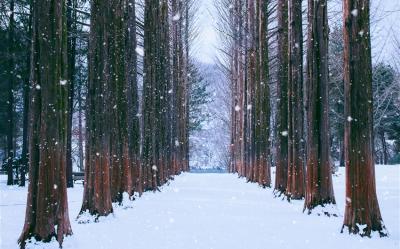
97, 194
47, 206
261, 97
362, 215
10, 98
319, 188
282, 92
121, 161
384, 147
80, 130
295, 186
71, 41
132, 95
26, 91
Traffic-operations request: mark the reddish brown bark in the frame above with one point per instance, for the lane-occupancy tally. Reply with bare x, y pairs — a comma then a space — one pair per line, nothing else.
282, 91
295, 188
121, 161
262, 108
362, 208
47, 207
319, 189
97, 195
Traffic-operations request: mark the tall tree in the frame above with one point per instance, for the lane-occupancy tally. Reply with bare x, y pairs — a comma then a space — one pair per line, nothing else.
71, 47
319, 188
295, 188
132, 95
97, 192
362, 214
263, 112
282, 92
156, 157
10, 97
47, 207
121, 161
26, 91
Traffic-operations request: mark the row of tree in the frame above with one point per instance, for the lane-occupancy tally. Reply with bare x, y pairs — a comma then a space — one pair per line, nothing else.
303, 142
124, 74
16, 32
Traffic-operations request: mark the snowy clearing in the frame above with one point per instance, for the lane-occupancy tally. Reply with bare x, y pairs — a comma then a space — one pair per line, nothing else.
211, 211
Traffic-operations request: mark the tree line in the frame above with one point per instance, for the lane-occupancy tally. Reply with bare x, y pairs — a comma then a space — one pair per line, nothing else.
112, 82
327, 97
113, 78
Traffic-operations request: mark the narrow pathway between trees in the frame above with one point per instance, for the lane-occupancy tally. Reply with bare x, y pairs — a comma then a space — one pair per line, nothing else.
211, 211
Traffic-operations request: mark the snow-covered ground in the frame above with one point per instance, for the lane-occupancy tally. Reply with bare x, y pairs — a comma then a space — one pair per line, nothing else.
212, 211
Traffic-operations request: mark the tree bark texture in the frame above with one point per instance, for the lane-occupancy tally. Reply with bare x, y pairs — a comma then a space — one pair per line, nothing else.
362, 214
319, 188
282, 92
295, 188
47, 207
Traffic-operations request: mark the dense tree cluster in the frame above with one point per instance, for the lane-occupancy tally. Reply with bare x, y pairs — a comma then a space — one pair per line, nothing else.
102, 85
307, 120
110, 88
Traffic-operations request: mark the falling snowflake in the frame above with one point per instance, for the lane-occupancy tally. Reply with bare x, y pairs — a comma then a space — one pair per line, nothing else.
154, 167
63, 82
176, 17
284, 133
349, 119
37, 87
354, 12
237, 108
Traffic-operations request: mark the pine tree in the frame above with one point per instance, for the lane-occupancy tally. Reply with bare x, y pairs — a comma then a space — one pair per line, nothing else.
199, 97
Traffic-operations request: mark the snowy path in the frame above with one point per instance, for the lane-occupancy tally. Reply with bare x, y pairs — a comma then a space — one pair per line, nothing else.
211, 211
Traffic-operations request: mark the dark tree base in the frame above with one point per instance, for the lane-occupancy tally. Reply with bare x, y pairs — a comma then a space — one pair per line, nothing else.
367, 231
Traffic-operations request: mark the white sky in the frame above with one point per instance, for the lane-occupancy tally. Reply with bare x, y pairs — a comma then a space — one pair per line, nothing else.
385, 26
206, 44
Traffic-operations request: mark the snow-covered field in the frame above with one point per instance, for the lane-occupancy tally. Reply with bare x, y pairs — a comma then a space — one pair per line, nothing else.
211, 211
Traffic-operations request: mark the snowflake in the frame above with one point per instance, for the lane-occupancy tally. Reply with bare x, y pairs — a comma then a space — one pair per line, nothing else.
176, 17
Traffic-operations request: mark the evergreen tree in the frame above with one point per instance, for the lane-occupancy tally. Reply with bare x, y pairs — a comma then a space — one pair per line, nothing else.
199, 97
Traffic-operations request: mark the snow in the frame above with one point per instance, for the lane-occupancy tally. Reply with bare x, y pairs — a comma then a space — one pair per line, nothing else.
140, 51
176, 17
211, 211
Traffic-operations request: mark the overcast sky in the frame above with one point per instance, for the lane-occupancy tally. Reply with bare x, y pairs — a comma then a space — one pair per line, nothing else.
385, 26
